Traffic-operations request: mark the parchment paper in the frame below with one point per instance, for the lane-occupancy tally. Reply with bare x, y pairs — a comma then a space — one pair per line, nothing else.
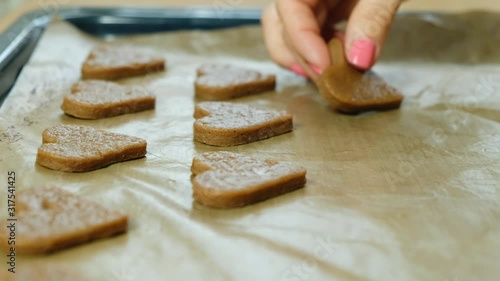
409, 194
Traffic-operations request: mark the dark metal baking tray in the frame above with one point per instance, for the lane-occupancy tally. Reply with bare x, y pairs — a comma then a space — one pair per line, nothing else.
19, 40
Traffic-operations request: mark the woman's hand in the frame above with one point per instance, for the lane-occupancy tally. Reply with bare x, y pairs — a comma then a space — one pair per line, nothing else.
303, 27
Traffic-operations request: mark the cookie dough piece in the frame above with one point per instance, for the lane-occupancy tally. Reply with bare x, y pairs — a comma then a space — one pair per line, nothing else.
94, 99
229, 124
74, 148
350, 90
108, 62
223, 82
227, 180
50, 219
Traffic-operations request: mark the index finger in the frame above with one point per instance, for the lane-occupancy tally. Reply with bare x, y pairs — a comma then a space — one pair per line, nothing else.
303, 30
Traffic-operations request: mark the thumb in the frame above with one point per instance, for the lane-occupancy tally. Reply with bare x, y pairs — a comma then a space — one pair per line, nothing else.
367, 29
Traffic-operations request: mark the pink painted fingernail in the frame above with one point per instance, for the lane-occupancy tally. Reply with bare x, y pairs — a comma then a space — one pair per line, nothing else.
362, 54
298, 69
316, 69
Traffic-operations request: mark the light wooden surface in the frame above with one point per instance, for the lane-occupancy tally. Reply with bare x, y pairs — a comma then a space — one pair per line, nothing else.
10, 10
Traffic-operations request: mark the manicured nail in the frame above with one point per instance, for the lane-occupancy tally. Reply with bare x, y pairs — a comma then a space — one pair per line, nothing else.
362, 54
316, 69
298, 69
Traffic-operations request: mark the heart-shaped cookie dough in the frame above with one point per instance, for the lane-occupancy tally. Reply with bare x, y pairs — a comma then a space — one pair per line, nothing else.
223, 82
74, 148
110, 62
226, 180
49, 219
350, 90
229, 124
94, 99
44, 271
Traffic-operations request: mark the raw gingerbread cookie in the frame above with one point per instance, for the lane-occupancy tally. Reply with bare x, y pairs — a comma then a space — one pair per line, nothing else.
74, 148
223, 82
226, 180
50, 219
350, 90
94, 99
108, 62
229, 124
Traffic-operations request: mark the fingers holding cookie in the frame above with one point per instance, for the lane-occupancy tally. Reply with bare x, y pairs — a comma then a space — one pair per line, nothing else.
222, 82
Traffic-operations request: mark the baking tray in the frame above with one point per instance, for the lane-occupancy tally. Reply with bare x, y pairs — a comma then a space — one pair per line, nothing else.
19, 40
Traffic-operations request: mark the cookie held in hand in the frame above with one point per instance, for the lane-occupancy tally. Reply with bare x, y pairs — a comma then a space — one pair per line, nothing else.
350, 90
109, 62
50, 219
229, 124
227, 180
223, 82
74, 148
95, 99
